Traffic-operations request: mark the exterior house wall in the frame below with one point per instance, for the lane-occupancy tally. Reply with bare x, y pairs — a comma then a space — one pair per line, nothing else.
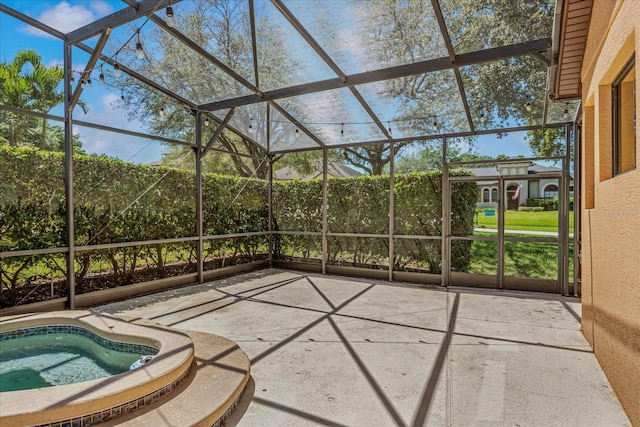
534, 189
481, 189
530, 187
493, 201
611, 207
546, 182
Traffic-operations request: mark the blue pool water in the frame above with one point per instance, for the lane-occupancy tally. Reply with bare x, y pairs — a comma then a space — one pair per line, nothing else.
56, 359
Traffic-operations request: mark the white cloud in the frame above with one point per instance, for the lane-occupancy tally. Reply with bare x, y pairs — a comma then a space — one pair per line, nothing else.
80, 66
106, 111
63, 17
101, 8
107, 101
128, 148
55, 62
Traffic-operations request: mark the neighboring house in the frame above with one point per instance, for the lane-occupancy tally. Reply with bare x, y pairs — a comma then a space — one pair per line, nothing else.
334, 170
535, 187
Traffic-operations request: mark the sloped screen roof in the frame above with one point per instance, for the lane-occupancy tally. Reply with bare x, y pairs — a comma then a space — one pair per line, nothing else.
300, 74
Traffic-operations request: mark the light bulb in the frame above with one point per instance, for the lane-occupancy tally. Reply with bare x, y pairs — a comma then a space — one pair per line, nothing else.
101, 79
528, 106
566, 113
342, 129
122, 96
170, 21
116, 70
139, 51
483, 119
250, 125
82, 84
89, 83
162, 110
297, 133
390, 133
72, 77
435, 124
206, 121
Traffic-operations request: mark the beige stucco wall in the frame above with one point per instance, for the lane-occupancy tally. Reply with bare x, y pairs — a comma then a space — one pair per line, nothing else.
611, 208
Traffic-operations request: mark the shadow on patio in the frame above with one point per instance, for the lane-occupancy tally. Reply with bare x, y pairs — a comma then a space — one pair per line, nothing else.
326, 350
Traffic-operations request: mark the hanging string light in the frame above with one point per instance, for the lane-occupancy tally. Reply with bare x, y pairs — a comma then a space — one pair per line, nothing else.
414, 121
139, 51
566, 112
483, 119
162, 112
206, 121
85, 76
170, 20
528, 106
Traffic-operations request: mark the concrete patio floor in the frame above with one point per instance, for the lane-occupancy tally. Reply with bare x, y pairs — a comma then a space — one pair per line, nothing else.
327, 350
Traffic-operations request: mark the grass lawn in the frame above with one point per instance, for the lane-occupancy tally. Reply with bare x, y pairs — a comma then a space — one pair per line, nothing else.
535, 260
516, 220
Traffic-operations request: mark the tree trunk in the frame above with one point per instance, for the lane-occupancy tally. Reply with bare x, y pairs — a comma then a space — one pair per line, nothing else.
43, 135
12, 136
160, 262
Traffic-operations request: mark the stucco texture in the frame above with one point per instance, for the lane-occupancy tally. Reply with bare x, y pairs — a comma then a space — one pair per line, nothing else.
611, 207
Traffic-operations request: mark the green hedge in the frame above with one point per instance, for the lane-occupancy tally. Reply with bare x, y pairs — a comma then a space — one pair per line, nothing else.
361, 205
547, 203
117, 202
531, 209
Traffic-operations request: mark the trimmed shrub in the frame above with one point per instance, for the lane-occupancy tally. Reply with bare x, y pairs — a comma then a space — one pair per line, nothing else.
531, 209
547, 203
119, 202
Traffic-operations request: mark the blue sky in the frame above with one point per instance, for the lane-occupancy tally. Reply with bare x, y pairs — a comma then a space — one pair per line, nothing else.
68, 15
512, 145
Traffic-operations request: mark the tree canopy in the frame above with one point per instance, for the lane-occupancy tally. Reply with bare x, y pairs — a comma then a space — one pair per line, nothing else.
506, 92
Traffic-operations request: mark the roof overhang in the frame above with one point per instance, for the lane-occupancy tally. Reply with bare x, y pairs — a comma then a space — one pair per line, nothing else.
513, 164
570, 38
